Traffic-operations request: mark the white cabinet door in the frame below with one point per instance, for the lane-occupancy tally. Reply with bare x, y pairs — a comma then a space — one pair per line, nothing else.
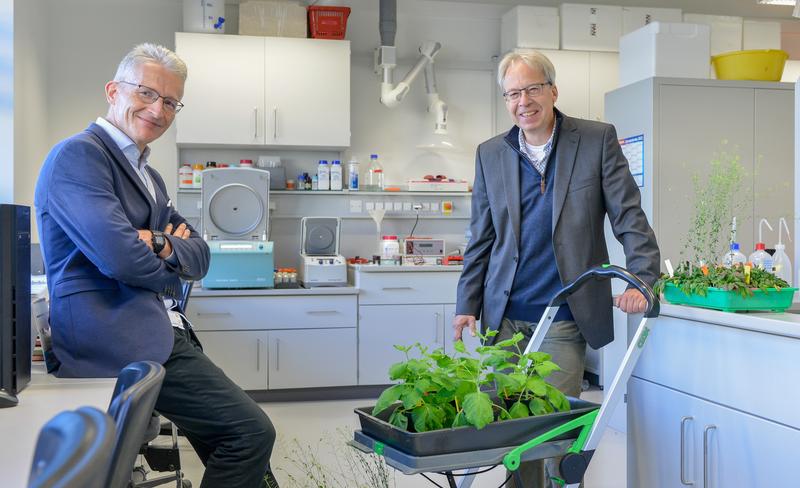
312, 358
469, 341
381, 327
307, 92
603, 77
224, 94
572, 80
242, 355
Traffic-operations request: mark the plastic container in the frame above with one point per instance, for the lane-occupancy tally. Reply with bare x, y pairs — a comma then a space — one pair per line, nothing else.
245, 163
336, 175
375, 180
782, 264
761, 258
186, 176
307, 183
352, 175
315, 183
290, 184
323, 175
325, 22
755, 64
730, 300
734, 256
390, 247
204, 16
197, 176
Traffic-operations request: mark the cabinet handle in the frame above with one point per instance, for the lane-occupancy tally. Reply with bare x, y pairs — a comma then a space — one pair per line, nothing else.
258, 354
275, 123
321, 312
255, 122
436, 327
213, 314
683, 450
708, 429
277, 354
396, 288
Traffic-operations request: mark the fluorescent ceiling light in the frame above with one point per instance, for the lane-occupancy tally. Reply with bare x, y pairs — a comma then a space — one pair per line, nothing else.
776, 2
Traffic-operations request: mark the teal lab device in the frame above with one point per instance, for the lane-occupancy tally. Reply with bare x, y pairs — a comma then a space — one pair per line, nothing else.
240, 264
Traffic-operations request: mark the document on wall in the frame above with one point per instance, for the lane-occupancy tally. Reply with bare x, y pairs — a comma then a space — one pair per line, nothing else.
633, 149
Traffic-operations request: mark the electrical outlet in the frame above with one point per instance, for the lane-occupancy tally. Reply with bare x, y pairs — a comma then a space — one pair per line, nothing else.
417, 207
355, 206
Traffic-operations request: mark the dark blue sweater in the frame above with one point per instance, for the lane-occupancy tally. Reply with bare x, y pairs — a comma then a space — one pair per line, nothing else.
537, 279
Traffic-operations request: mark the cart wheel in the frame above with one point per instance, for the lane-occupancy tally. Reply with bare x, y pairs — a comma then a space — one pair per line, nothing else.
572, 467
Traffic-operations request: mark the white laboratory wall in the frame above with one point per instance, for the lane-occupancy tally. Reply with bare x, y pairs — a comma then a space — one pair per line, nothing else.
7, 101
30, 99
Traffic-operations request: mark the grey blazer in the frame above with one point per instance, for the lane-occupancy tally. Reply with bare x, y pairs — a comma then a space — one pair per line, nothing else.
591, 180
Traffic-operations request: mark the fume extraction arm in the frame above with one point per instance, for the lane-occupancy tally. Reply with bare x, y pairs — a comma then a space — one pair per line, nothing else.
386, 61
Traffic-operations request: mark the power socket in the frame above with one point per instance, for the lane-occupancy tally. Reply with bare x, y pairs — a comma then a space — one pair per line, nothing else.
417, 207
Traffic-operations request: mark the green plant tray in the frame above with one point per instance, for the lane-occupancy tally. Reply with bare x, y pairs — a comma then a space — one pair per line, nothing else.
730, 301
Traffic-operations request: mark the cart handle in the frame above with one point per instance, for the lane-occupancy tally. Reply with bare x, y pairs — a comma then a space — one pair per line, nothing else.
610, 271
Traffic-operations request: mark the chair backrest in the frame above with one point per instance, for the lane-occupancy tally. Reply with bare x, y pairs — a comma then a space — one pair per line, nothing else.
73, 450
132, 404
186, 290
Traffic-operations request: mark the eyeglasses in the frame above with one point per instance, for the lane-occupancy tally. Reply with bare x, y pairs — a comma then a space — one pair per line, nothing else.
533, 90
148, 95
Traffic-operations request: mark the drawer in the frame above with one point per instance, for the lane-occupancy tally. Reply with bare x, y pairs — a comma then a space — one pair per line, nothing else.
741, 369
259, 313
407, 287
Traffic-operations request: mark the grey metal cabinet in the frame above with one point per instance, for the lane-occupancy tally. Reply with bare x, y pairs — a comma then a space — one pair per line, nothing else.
677, 440
312, 358
242, 355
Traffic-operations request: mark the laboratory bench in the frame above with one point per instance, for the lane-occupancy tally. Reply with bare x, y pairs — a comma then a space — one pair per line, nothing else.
713, 400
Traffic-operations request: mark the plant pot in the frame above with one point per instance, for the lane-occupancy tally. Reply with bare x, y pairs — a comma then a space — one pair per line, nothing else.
508, 433
772, 300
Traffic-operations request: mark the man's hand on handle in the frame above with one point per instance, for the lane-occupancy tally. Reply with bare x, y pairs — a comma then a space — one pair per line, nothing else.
632, 301
461, 322
181, 232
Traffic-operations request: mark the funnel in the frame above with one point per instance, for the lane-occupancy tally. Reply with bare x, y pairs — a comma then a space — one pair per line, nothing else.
377, 215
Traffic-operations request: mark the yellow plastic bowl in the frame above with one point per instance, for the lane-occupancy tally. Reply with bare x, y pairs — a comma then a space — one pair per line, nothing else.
756, 64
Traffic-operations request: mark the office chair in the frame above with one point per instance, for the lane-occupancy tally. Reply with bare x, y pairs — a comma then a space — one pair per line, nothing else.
132, 404
73, 450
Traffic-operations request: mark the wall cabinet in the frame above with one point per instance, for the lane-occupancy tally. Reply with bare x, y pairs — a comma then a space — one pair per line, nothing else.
279, 342
248, 90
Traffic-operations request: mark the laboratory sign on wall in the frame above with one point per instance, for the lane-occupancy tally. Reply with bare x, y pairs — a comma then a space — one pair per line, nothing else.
633, 149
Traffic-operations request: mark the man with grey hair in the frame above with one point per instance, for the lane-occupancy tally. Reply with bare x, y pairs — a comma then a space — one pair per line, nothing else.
115, 251
541, 194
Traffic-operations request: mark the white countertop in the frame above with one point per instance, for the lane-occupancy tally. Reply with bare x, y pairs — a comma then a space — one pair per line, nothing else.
44, 397
381, 268
785, 324
267, 292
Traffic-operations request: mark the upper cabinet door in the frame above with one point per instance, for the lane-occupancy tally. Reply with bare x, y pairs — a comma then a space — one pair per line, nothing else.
224, 93
307, 92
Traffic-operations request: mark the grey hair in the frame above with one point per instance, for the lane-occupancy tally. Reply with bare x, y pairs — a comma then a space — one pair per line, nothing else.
150, 53
534, 59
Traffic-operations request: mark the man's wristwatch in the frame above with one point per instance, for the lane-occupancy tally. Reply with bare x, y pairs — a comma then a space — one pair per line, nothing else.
158, 241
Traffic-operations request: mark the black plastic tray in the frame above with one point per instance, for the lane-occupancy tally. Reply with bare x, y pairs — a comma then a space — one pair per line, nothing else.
508, 433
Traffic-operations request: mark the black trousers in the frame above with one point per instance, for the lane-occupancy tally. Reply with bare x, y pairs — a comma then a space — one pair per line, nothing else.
228, 430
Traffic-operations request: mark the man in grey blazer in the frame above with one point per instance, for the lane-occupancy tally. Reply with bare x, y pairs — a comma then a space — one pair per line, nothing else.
540, 197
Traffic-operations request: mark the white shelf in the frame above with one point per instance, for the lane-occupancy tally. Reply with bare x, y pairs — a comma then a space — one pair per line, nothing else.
351, 194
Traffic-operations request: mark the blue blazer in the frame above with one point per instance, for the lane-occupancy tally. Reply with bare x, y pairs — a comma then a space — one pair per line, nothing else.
106, 286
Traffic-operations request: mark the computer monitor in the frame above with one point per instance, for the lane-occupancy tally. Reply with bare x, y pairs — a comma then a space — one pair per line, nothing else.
15, 301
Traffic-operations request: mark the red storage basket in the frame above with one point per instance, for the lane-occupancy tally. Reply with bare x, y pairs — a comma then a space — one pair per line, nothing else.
327, 22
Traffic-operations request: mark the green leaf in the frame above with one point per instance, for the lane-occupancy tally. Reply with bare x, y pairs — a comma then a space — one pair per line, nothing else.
398, 370
478, 409
388, 397
557, 399
399, 419
519, 411
403, 348
410, 398
545, 368
460, 347
515, 339
460, 420
423, 418
536, 385
538, 406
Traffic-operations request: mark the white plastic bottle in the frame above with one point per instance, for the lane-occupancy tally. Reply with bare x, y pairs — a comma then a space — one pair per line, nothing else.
734, 256
336, 175
782, 264
761, 258
352, 175
323, 175
186, 176
374, 174
390, 248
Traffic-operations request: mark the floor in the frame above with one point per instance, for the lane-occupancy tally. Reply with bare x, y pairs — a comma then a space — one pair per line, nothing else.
314, 434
